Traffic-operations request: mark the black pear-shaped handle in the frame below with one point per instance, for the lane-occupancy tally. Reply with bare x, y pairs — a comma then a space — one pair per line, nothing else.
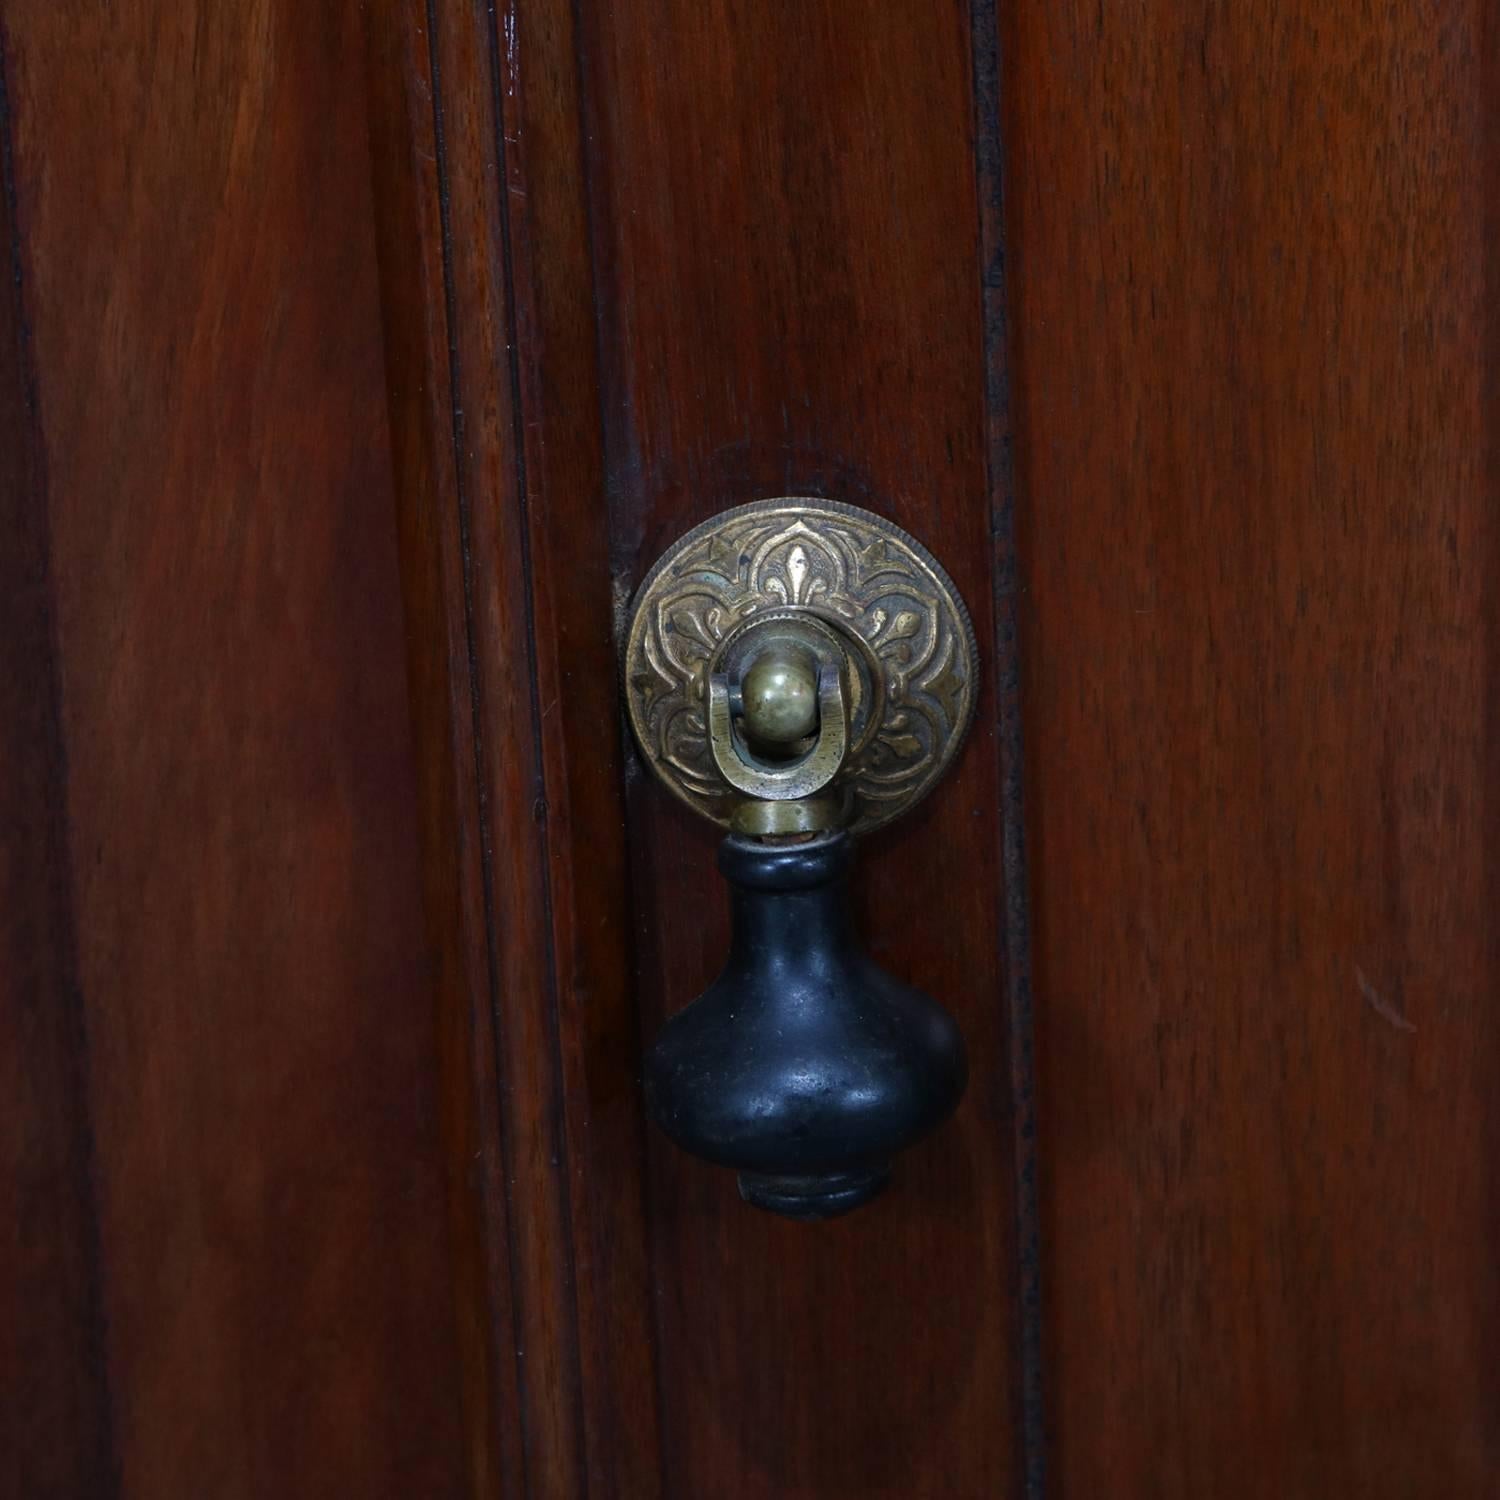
800, 671
804, 1066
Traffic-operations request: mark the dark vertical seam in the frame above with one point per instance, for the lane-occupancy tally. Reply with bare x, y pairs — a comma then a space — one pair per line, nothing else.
538, 767
627, 747
1016, 928
1489, 133
486, 859
95, 1314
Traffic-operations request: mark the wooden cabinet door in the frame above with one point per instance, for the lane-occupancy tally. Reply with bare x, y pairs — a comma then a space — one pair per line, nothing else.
358, 361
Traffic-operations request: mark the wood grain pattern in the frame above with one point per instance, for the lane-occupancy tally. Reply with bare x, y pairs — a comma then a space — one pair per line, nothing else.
55, 1422
787, 270
409, 230
1254, 363
193, 201
491, 347
697, 1359
356, 362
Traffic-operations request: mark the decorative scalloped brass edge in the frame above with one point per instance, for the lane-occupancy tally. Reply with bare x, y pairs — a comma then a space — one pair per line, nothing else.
909, 633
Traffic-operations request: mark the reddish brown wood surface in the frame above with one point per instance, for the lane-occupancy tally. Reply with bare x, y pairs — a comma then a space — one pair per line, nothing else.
360, 362
192, 198
505, 556
1254, 355
666, 1339
55, 1424
788, 283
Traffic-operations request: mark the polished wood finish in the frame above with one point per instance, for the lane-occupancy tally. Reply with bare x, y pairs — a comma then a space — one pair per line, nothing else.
505, 560
1254, 360
356, 362
774, 323
227, 882
56, 1440
551, 514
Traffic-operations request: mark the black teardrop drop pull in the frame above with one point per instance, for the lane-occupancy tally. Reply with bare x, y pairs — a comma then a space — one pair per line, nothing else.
800, 671
805, 1066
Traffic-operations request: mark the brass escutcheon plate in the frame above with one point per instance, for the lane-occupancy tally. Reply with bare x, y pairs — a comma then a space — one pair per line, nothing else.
910, 651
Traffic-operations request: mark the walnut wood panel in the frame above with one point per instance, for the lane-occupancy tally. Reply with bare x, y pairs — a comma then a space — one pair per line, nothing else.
684, 286
192, 196
56, 1437
336, 910
787, 261
1254, 375
505, 554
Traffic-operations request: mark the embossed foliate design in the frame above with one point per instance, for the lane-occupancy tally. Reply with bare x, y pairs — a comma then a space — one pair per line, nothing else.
911, 647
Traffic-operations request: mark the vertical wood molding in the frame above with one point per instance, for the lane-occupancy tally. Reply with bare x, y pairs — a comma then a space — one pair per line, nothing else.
419, 372
996, 272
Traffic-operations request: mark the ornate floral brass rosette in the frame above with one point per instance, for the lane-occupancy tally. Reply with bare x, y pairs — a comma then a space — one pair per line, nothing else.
906, 639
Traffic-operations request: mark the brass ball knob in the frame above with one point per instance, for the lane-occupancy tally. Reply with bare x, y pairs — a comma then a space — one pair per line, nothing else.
779, 693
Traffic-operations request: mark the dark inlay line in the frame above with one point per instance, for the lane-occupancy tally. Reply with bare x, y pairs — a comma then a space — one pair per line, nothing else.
486, 853
624, 574
1016, 928
538, 767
